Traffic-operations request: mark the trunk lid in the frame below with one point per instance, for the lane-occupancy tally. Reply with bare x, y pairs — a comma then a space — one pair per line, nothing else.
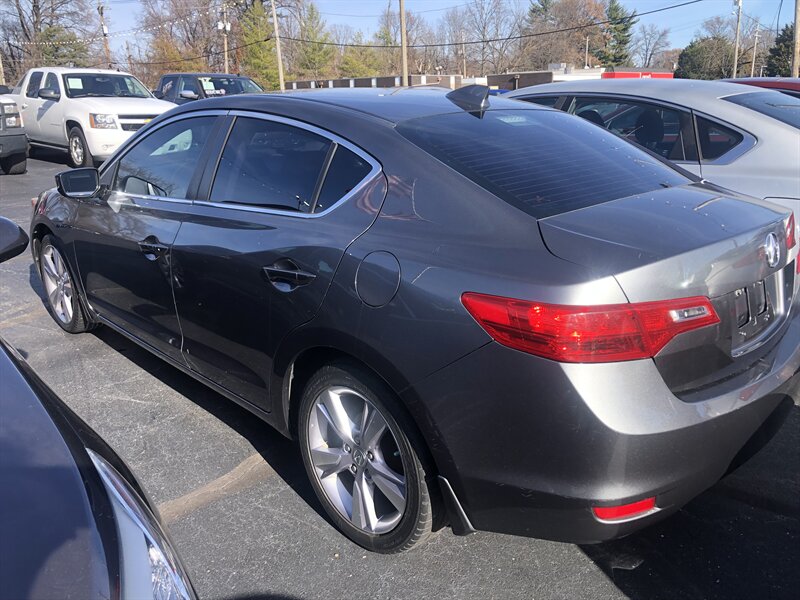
691, 241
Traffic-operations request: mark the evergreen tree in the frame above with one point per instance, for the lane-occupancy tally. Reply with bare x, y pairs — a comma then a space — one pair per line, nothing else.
706, 58
359, 62
258, 57
62, 48
541, 11
779, 63
315, 58
618, 34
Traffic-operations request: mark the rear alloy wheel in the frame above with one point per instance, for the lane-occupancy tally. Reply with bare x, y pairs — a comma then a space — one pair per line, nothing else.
361, 462
59, 287
79, 155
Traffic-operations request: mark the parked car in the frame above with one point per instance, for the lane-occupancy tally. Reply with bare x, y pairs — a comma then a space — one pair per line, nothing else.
787, 85
13, 143
75, 522
185, 87
467, 310
737, 137
87, 113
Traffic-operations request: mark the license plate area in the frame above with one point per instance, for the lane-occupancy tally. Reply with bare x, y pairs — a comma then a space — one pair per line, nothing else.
757, 309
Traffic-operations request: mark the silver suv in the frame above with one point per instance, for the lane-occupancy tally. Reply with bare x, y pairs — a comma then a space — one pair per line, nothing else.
86, 112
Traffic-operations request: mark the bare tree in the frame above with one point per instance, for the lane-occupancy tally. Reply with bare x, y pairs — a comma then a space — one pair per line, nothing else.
492, 20
648, 42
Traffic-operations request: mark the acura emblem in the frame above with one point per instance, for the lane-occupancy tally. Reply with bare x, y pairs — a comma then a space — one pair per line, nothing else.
772, 250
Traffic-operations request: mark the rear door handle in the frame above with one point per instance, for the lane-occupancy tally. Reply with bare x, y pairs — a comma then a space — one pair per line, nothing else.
286, 276
152, 248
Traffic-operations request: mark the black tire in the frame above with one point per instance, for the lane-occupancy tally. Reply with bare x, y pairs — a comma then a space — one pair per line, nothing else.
78, 323
422, 493
16, 164
76, 137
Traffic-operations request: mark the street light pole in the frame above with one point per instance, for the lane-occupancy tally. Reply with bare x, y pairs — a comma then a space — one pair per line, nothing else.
738, 4
104, 29
796, 54
404, 42
278, 46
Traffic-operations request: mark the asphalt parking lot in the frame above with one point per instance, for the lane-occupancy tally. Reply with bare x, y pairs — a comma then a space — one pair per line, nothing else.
234, 496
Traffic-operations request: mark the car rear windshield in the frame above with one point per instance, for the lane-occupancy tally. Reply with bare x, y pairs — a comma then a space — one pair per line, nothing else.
541, 161
782, 107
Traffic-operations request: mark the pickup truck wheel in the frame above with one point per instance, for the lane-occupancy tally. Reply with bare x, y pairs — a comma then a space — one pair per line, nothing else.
79, 155
16, 164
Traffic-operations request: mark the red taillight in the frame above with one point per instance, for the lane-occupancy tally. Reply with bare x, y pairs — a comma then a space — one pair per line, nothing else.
791, 233
624, 511
588, 334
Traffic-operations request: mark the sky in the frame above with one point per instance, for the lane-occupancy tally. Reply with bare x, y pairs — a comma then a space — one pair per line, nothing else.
683, 22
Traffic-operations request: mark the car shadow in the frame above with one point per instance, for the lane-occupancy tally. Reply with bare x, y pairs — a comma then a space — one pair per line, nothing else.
282, 454
49, 155
739, 539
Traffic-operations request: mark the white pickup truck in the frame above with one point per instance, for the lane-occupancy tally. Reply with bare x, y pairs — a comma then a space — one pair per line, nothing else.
86, 112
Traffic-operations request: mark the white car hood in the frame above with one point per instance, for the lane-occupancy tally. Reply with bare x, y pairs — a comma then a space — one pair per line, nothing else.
124, 106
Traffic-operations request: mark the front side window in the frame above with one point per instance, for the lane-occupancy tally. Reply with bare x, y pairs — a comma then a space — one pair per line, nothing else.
51, 82
33, 84
163, 163
220, 85
82, 85
715, 139
189, 84
665, 131
270, 165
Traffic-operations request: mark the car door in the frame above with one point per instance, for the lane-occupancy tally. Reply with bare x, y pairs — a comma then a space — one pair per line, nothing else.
30, 105
255, 259
666, 130
50, 114
124, 237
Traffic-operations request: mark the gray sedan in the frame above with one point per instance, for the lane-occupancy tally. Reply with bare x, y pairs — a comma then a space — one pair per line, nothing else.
736, 136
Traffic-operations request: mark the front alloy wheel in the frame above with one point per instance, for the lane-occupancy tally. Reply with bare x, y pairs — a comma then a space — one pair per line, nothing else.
59, 288
357, 450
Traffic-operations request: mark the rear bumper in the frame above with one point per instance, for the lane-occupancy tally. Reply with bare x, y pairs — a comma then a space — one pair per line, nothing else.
530, 445
11, 144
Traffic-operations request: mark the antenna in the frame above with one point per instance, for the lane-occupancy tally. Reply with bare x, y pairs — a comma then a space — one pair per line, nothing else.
472, 98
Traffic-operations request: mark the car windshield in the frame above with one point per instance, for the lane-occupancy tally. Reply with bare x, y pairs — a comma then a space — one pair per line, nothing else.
783, 107
541, 161
228, 86
81, 85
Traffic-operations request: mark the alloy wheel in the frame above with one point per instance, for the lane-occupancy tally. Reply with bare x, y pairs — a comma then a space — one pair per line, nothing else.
57, 284
357, 460
76, 150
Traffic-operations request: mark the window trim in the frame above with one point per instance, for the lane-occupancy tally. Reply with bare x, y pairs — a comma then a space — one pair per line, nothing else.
375, 170
113, 163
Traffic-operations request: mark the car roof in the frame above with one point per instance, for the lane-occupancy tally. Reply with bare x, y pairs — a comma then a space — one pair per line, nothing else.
233, 75
67, 70
391, 105
679, 91
786, 83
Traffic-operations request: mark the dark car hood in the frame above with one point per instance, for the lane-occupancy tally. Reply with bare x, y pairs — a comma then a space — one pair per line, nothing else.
51, 545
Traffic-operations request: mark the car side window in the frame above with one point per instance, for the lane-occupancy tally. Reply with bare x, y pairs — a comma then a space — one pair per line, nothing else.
715, 139
163, 163
270, 165
168, 87
33, 84
663, 130
542, 100
51, 82
189, 84
347, 169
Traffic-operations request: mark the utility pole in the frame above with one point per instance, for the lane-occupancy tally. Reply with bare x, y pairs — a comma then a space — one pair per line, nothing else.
755, 47
104, 29
463, 55
586, 54
2, 72
277, 46
403, 42
738, 4
225, 27
796, 54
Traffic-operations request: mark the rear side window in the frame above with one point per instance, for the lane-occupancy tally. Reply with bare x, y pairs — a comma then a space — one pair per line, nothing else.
163, 163
33, 84
270, 165
543, 162
345, 172
168, 87
783, 107
715, 139
663, 130
542, 100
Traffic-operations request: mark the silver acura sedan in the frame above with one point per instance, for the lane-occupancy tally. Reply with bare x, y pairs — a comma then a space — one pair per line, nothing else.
736, 136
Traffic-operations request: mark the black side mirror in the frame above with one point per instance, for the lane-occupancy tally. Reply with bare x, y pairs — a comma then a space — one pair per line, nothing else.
189, 95
13, 239
78, 183
49, 94
158, 94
